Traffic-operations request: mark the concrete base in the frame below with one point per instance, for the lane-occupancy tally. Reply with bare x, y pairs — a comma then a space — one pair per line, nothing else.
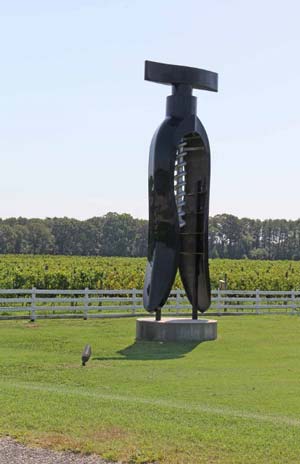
176, 329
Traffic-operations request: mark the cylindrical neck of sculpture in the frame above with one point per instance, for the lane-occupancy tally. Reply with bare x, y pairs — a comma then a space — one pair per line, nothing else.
181, 103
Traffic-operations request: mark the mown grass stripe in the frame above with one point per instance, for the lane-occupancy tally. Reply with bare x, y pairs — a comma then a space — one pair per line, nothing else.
226, 412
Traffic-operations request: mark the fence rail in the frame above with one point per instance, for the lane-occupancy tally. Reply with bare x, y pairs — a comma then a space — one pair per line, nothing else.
42, 303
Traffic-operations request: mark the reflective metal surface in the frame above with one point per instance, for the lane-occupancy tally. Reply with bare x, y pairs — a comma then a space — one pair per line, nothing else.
179, 180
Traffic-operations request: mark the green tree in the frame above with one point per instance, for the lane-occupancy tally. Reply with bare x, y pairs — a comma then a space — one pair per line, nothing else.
40, 240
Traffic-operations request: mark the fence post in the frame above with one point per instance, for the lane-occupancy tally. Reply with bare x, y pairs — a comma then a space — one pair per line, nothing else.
257, 300
134, 300
177, 300
86, 304
32, 311
219, 300
293, 301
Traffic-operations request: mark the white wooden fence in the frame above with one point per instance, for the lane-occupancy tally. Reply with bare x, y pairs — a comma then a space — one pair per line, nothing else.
35, 303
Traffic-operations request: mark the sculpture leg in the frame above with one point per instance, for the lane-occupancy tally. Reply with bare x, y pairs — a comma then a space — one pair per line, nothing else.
158, 314
195, 313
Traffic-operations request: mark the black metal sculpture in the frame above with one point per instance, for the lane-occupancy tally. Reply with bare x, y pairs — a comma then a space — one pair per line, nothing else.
179, 178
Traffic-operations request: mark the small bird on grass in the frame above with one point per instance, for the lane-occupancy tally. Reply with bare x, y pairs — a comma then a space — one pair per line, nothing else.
86, 354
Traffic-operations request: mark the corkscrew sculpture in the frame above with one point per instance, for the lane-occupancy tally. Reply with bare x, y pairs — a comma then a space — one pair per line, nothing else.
179, 180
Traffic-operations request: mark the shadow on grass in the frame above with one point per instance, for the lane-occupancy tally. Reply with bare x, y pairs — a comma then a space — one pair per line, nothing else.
151, 350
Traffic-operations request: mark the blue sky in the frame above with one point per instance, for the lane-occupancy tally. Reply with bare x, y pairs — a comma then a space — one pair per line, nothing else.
76, 116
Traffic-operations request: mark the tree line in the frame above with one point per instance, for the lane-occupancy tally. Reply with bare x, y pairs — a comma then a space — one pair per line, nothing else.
231, 237
110, 235
122, 235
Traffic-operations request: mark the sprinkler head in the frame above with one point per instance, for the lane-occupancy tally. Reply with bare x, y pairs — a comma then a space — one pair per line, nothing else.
86, 354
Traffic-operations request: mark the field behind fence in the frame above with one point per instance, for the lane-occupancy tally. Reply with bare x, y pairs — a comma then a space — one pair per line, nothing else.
98, 272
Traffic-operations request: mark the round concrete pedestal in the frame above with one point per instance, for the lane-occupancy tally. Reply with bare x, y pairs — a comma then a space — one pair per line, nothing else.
176, 329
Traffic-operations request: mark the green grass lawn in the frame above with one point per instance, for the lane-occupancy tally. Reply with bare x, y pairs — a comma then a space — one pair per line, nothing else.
234, 400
